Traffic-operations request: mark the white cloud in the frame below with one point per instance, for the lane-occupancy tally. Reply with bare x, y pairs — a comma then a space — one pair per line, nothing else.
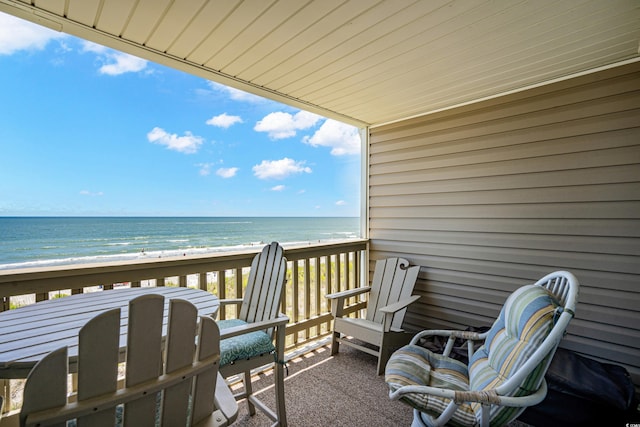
17, 34
90, 193
236, 94
279, 169
227, 172
224, 120
188, 143
98, 49
342, 138
281, 125
278, 188
341, 203
205, 168
115, 63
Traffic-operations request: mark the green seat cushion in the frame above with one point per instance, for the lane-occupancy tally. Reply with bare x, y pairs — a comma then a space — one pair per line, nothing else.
245, 346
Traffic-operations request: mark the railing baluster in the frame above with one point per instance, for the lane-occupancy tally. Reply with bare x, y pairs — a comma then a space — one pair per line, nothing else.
307, 294
328, 288
347, 270
329, 268
318, 293
239, 283
286, 293
295, 315
222, 291
5, 391
339, 283
202, 281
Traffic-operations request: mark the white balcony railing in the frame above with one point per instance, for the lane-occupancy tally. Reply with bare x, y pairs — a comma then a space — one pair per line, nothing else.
312, 272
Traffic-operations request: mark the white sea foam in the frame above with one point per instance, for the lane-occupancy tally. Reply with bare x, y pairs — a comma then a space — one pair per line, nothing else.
145, 255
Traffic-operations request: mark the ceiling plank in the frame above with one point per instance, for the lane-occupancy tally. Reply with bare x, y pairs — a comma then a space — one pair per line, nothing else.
240, 18
84, 12
178, 17
145, 18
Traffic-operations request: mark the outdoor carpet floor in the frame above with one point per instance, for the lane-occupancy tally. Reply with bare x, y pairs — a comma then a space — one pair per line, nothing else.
325, 390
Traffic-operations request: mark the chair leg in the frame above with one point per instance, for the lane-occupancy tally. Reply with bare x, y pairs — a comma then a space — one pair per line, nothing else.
249, 391
335, 344
279, 390
384, 353
383, 358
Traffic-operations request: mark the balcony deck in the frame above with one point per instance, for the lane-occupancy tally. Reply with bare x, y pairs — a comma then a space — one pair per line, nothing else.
325, 390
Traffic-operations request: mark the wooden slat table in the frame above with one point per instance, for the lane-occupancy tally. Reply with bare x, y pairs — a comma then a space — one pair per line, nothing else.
28, 333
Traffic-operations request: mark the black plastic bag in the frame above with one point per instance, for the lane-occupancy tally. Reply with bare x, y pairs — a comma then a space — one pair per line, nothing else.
584, 392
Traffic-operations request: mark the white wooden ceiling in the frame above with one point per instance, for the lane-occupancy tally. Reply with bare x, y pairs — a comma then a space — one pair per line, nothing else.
365, 62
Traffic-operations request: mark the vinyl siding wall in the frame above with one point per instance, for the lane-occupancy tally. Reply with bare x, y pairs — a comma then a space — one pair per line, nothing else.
491, 196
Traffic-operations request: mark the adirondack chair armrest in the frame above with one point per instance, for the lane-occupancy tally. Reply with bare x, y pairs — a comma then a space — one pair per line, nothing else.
348, 293
233, 331
397, 306
392, 309
229, 301
338, 298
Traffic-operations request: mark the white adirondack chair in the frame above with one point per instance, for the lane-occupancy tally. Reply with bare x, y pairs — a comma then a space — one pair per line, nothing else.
160, 388
247, 342
503, 377
389, 296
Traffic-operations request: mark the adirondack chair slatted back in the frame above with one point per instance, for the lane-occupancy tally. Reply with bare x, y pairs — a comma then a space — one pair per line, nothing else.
393, 280
161, 388
264, 287
98, 370
144, 354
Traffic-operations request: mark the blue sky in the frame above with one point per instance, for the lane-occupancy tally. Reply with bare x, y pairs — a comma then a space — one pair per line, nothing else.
86, 130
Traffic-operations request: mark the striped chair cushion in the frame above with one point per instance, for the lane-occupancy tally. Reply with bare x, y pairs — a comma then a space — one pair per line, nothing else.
244, 346
415, 365
524, 322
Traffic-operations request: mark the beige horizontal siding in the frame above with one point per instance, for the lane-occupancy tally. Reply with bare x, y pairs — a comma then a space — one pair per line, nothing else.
490, 196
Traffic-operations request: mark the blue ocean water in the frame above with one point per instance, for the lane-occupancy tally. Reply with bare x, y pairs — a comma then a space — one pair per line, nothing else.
44, 241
